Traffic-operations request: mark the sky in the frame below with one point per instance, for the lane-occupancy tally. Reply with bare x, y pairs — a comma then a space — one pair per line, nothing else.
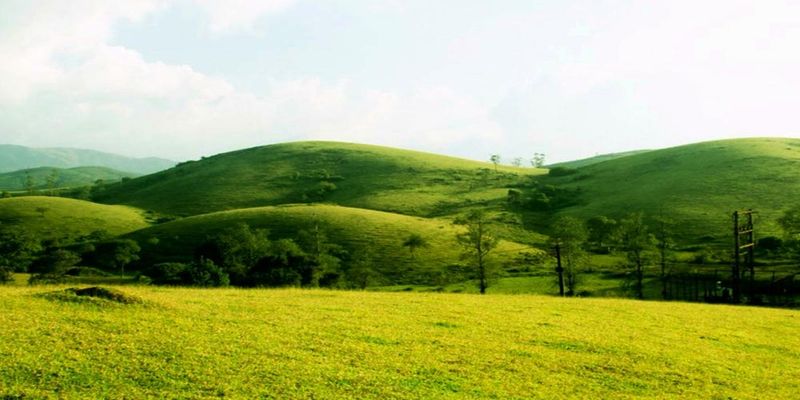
182, 79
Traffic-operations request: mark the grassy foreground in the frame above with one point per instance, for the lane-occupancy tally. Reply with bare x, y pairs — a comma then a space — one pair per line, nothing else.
196, 343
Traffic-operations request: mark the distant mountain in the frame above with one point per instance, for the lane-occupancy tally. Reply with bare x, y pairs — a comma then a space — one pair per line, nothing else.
584, 162
63, 177
14, 158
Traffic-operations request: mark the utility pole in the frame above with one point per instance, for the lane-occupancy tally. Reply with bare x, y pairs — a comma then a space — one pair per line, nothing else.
559, 270
743, 239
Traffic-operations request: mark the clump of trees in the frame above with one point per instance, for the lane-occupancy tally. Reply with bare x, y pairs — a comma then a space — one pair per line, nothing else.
569, 234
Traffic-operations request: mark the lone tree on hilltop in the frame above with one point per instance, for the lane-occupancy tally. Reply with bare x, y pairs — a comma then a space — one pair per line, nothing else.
477, 243
495, 159
415, 241
538, 160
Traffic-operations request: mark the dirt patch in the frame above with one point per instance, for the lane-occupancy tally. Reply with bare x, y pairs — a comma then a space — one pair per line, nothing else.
93, 294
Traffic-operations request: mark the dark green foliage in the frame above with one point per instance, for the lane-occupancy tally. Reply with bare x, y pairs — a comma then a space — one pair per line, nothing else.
205, 273
415, 241
18, 249
116, 254
167, 274
538, 196
769, 244
360, 272
561, 171
601, 230
52, 267
324, 256
237, 250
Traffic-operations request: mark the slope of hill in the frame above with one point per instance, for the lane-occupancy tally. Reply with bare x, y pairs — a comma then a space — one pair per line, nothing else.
697, 185
381, 233
64, 177
584, 162
55, 217
13, 158
301, 344
354, 175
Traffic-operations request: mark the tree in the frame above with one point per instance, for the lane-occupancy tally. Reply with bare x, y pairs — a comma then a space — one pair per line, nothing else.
360, 272
18, 249
635, 240
495, 159
415, 241
664, 244
53, 266
119, 253
517, 162
477, 242
29, 183
51, 181
570, 234
601, 229
537, 161
204, 272
324, 257
237, 250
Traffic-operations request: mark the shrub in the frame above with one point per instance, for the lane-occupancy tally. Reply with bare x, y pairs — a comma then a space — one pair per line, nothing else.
206, 273
561, 171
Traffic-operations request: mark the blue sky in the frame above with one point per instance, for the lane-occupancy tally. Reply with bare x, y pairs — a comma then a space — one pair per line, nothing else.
185, 78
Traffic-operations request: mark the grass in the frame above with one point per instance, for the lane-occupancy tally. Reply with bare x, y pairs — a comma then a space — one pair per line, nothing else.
65, 177
356, 229
697, 185
372, 177
196, 343
56, 217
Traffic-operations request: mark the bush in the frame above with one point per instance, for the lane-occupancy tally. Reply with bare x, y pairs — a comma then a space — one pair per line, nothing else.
206, 273
561, 171
167, 273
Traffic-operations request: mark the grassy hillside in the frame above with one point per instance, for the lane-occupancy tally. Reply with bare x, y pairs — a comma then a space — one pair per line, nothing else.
292, 344
65, 177
356, 229
698, 185
51, 217
354, 175
13, 158
584, 162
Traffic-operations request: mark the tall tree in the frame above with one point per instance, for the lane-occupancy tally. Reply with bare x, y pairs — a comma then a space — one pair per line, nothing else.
570, 235
663, 237
477, 242
537, 161
324, 257
636, 241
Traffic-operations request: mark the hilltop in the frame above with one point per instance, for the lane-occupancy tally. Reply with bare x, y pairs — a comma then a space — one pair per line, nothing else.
381, 234
584, 162
697, 185
354, 175
56, 217
64, 177
14, 158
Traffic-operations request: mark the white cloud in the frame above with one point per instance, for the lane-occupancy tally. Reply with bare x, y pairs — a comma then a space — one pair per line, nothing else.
239, 15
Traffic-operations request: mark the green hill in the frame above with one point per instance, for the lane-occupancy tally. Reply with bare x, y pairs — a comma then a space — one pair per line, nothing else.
355, 229
596, 159
13, 158
372, 177
64, 177
697, 185
55, 217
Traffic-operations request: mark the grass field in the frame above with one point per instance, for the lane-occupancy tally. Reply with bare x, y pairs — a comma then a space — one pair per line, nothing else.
196, 343
56, 217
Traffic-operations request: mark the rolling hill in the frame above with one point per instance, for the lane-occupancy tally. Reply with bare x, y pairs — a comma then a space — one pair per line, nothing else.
584, 162
355, 229
697, 185
14, 158
65, 177
56, 217
354, 175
